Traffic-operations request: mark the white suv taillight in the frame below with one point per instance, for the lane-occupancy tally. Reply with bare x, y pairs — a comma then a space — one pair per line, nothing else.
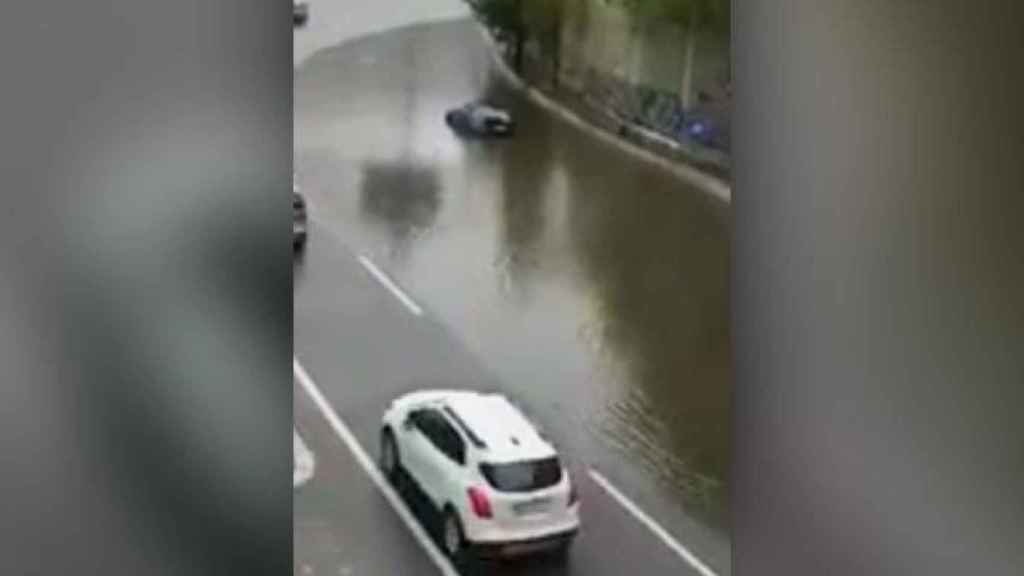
479, 502
574, 496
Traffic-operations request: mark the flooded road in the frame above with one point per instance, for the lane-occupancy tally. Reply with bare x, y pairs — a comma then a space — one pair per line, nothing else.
592, 285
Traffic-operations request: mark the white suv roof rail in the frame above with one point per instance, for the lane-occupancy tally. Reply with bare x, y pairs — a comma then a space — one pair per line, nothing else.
503, 430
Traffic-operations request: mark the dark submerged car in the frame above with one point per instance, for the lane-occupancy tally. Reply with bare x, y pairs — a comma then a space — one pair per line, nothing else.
480, 120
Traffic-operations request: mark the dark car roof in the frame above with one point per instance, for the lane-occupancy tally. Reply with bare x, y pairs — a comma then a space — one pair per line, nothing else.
485, 110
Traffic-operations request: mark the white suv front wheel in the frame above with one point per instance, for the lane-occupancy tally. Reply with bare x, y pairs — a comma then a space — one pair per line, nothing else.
389, 463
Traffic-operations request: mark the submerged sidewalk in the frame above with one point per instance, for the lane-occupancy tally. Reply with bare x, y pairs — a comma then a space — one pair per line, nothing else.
705, 168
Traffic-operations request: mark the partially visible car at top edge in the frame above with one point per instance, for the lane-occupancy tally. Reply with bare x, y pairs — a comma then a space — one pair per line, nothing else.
298, 219
300, 13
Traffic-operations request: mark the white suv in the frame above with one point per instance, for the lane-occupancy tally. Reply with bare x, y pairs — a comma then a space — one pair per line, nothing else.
497, 482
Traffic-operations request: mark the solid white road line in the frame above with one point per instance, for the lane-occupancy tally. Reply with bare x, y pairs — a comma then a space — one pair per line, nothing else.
372, 471
305, 464
651, 525
387, 283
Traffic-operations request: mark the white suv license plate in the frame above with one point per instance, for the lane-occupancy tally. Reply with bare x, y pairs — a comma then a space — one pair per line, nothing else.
535, 506
519, 549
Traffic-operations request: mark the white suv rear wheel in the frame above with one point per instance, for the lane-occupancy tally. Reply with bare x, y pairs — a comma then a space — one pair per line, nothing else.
452, 534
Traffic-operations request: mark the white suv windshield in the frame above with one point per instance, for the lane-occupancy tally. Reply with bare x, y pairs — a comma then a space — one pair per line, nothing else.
525, 476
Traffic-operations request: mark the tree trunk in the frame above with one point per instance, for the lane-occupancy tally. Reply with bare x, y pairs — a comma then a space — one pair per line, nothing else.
517, 61
686, 90
556, 51
688, 57
520, 37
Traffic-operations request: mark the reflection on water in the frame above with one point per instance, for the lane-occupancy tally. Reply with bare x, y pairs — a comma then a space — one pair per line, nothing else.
657, 258
525, 169
402, 197
652, 259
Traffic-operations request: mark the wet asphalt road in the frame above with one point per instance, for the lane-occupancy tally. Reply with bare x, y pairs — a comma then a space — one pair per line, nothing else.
342, 524
588, 285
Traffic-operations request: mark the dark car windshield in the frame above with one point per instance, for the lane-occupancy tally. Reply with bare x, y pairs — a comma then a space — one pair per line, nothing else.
525, 476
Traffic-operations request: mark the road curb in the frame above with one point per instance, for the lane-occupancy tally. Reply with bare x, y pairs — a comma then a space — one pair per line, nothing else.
705, 182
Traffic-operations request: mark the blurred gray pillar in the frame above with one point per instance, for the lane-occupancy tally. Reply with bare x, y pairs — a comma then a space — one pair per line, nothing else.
145, 288
879, 287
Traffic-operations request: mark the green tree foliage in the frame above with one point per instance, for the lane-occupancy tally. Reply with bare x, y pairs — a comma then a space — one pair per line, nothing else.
517, 20
545, 20
501, 15
505, 19
515, 15
710, 15
691, 16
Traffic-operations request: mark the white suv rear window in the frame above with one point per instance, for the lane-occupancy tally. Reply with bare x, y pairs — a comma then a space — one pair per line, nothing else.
525, 476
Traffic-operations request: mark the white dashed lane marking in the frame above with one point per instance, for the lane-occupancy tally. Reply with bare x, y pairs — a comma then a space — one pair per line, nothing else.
649, 523
368, 466
381, 277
